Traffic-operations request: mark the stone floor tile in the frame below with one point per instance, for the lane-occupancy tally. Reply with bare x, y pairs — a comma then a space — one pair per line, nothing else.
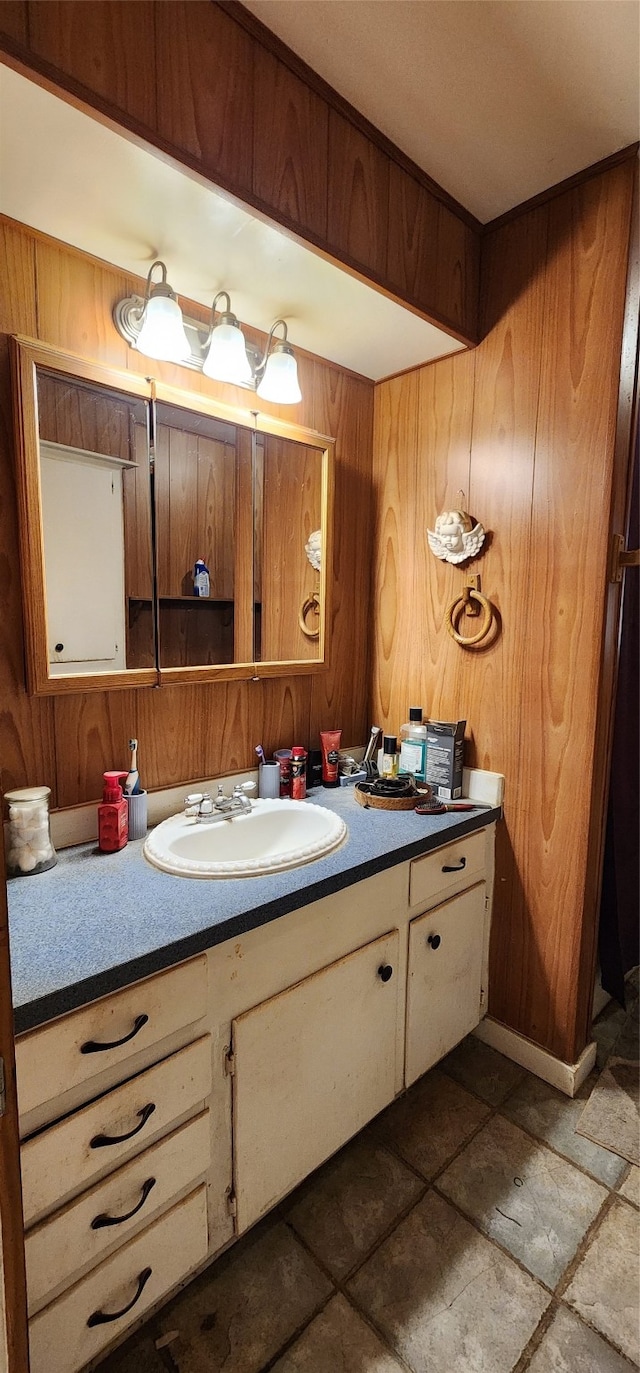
447, 1299
430, 1122
482, 1069
571, 1347
604, 1287
349, 1205
630, 1188
551, 1116
627, 1044
338, 1341
535, 1204
237, 1315
138, 1355
606, 1030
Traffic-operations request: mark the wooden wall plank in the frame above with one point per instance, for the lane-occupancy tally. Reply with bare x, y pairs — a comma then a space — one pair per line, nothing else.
93, 730
26, 726
340, 696
421, 458
358, 212
205, 87
290, 139
458, 271
504, 428
585, 289
13, 19
108, 48
412, 250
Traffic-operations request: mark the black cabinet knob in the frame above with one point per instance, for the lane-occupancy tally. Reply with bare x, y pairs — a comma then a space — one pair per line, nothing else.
434, 940
385, 971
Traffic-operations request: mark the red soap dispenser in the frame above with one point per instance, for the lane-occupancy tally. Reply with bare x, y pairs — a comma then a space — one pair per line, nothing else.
113, 815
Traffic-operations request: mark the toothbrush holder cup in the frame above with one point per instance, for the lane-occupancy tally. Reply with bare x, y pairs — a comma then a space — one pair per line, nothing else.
137, 815
269, 781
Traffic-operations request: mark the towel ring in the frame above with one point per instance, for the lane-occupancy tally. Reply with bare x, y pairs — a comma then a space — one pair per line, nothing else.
311, 605
455, 610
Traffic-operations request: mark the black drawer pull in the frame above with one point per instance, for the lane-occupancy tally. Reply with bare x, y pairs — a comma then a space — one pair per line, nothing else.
99, 1222
434, 940
101, 1317
385, 971
91, 1047
101, 1141
457, 867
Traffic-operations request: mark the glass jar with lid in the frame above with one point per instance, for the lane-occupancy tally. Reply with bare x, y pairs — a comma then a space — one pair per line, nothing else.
29, 846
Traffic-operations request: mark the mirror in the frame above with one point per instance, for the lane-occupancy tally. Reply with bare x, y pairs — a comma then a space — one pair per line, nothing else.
164, 536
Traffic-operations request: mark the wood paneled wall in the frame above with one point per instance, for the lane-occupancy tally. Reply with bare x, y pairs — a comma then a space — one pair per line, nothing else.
63, 297
525, 426
209, 85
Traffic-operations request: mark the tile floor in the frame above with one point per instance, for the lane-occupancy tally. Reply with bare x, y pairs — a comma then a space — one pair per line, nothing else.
467, 1230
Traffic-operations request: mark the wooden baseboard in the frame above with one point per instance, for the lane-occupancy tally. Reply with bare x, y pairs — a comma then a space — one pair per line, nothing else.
567, 1077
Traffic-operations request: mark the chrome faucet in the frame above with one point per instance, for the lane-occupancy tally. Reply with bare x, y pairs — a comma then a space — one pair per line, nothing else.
201, 807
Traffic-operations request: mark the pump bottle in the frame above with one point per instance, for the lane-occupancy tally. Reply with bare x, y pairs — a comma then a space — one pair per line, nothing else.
113, 815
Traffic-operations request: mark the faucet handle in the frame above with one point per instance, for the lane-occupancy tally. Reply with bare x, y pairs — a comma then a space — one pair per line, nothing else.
206, 805
246, 786
192, 803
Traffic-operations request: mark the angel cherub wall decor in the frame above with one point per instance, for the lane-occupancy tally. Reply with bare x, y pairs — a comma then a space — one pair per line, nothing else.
455, 537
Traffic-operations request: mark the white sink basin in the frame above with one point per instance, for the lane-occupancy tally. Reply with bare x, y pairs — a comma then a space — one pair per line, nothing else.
275, 836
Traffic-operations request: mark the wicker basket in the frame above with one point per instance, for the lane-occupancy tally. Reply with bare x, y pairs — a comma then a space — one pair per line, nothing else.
371, 802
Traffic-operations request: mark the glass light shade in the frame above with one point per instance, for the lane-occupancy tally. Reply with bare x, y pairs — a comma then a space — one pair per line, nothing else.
280, 380
227, 358
162, 335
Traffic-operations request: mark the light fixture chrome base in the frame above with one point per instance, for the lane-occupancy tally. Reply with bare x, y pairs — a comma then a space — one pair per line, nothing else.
127, 317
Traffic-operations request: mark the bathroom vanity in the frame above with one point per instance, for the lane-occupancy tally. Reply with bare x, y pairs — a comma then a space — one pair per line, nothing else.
276, 1018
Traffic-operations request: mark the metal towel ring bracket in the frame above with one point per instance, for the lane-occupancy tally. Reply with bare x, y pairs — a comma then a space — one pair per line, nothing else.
455, 610
311, 605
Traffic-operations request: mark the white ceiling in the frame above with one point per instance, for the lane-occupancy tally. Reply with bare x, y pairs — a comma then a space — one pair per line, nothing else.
67, 175
495, 99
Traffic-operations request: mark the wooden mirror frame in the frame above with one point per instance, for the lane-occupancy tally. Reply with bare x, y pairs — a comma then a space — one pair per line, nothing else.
26, 356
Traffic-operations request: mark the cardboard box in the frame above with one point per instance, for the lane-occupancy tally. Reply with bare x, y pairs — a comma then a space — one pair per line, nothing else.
445, 747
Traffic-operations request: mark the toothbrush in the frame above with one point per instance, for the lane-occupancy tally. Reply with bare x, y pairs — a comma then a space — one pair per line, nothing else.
132, 784
260, 753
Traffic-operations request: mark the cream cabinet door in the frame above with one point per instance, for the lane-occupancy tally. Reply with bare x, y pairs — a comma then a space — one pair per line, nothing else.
445, 978
311, 1067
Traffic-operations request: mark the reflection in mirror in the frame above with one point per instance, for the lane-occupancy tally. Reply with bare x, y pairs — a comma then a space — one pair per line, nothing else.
288, 538
202, 468
96, 527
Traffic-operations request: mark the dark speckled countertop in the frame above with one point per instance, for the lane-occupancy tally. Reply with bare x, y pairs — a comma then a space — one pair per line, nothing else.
97, 922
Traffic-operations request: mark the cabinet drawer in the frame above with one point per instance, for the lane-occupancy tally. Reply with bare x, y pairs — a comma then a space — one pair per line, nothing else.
60, 1338
51, 1060
69, 1241
444, 986
456, 865
63, 1159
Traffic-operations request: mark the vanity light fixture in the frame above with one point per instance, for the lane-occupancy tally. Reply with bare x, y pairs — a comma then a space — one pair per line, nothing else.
156, 326
278, 380
162, 334
226, 358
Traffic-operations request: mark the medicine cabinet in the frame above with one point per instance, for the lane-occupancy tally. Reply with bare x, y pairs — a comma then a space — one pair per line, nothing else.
123, 484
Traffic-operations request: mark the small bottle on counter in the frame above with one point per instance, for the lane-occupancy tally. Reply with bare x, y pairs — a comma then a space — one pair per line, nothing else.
390, 756
283, 757
29, 846
413, 745
113, 815
298, 773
